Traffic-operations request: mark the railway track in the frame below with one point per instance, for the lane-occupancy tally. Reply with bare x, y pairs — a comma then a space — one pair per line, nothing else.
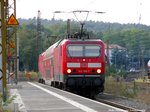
114, 104
129, 109
124, 107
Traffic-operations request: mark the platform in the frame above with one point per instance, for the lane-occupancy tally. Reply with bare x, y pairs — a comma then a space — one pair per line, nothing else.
36, 97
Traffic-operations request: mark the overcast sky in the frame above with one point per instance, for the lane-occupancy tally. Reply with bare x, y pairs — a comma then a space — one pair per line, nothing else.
122, 11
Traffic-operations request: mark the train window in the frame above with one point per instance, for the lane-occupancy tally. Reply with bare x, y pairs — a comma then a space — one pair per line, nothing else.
75, 51
84, 51
92, 51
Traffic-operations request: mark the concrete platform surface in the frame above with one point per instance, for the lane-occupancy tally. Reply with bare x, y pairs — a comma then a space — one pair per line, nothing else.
36, 97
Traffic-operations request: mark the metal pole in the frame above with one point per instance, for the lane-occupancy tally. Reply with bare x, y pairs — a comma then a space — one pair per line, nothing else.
108, 61
0, 52
3, 50
15, 34
68, 28
81, 30
17, 55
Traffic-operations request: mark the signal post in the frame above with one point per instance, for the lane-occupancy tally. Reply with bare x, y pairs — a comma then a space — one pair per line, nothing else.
3, 37
10, 22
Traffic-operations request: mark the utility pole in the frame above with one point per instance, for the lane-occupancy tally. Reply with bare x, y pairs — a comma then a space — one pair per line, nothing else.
8, 23
12, 57
68, 28
108, 49
39, 32
39, 46
0, 49
3, 32
15, 40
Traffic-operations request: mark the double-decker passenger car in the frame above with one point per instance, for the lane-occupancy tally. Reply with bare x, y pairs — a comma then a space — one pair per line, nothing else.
75, 64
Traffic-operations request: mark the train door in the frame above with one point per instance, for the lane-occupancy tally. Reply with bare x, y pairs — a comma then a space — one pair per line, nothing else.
47, 76
59, 63
52, 68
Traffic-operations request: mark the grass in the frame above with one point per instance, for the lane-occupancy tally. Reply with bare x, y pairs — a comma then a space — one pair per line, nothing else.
133, 89
8, 101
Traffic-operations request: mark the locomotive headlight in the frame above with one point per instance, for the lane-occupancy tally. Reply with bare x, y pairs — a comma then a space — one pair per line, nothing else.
98, 70
68, 70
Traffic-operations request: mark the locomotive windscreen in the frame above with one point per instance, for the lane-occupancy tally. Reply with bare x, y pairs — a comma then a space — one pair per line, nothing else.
84, 51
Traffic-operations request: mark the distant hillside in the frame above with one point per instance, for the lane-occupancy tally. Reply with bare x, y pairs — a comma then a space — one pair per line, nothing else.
90, 25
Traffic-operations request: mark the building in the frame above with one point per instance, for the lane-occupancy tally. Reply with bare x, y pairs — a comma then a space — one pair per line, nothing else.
111, 49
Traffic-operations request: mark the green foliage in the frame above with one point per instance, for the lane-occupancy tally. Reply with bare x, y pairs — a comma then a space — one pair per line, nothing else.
1, 106
110, 70
120, 88
8, 101
34, 76
119, 59
28, 47
135, 38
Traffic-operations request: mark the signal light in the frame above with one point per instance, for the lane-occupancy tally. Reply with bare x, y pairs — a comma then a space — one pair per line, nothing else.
98, 70
68, 70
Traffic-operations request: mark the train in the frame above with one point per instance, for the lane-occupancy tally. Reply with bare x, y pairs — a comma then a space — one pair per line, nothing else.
148, 69
76, 65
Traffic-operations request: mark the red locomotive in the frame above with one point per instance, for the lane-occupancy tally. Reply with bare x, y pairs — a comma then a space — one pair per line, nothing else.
74, 64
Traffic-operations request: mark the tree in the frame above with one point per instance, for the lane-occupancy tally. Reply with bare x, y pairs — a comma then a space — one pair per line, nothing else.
135, 38
119, 59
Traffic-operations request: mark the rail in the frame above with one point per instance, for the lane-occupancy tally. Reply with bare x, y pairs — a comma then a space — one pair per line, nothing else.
129, 109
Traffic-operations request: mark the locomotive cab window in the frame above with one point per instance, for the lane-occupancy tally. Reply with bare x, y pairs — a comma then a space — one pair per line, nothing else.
83, 51
75, 51
92, 51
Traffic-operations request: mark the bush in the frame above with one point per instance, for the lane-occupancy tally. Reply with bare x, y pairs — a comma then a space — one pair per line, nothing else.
31, 76
110, 70
22, 76
34, 76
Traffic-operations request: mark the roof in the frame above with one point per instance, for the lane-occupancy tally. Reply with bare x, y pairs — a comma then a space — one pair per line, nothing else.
115, 46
